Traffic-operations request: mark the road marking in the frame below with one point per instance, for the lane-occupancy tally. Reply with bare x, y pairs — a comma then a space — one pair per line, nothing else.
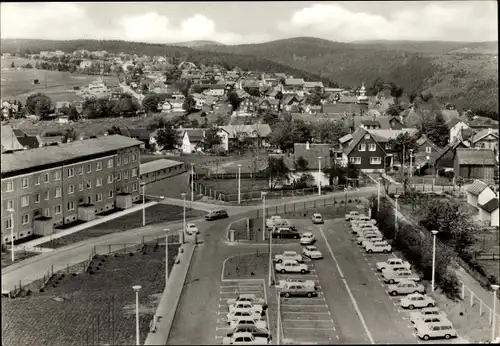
306, 312
309, 328
222, 328
351, 296
298, 320
300, 305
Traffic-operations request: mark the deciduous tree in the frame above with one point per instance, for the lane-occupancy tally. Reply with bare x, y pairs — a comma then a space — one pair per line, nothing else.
301, 164
167, 137
234, 100
150, 103
212, 139
39, 104
277, 171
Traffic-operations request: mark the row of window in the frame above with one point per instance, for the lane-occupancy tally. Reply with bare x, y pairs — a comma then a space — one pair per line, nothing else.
373, 160
371, 147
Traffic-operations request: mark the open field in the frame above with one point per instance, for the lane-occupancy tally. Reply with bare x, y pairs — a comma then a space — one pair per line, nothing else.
90, 309
230, 186
170, 187
155, 214
20, 255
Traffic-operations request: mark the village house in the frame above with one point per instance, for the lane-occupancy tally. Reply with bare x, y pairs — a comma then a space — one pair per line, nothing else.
256, 134
445, 158
485, 201
485, 139
479, 123
28, 141
215, 90
310, 152
192, 140
290, 100
292, 86
9, 140
424, 151
310, 87
471, 163
269, 104
456, 126
249, 104
364, 151
384, 136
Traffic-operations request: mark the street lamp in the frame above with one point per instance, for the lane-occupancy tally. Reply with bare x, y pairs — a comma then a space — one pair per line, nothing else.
345, 205
239, 183
192, 181
396, 218
411, 159
378, 195
143, 186
319, 175
278, 325
167, 230
137, 288
494, 318
184, 217
433, 258
264, 231
11, 211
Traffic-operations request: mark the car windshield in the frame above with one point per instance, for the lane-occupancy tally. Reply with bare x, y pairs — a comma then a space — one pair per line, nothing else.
311, 248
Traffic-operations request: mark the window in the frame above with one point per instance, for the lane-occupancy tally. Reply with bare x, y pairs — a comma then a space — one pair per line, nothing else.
71, 172
71, 206
362, 147
37, 198
110, 194
134, 187
46, 212
98, 182
89, 184
372, 147
98, 197
80, 170
37, 180
10, 204
428, 149
89, 168
80, 186
110, 178
118, 160
125, 174
118, 176
134, 172
387, 146
9, 186
125, 159
134, 157
355, 160
367, 136
58, 175
24, 183
57, 209
46, 195
71, 189
25, 219
8, 223
46, 178
375, 160
98, 166
25, 201
126, 189
110, 163
58, 192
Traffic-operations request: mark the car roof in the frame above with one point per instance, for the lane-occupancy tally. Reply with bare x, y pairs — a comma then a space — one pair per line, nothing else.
290, 252
407, 282
246, 295
191, 224
289, 261
316, 214
242, 334
307, 233
311, 247
415, 295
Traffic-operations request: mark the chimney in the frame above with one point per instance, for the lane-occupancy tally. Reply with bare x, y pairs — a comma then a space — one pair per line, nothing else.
308, 146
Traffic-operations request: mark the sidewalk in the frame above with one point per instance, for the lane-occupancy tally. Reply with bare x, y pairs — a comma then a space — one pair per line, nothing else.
165, 312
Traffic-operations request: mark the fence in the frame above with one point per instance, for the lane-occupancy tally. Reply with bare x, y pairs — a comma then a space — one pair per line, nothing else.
451, 189
468, 295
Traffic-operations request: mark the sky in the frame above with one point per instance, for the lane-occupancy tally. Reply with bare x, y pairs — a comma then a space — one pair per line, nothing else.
252, 22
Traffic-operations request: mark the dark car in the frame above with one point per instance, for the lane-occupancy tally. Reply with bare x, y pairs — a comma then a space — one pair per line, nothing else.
257, 332
216, 214
288, 232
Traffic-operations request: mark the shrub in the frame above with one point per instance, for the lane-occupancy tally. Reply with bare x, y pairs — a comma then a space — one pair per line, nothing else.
449, 283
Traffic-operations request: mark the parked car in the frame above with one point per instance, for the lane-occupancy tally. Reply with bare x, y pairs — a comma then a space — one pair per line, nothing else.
378, 247
270, 223
406, 287
444, 330
285, 233
372, 240
392, 262
431, 320
352, 215
290, 266
248, 322
247, 297
237, 313
192, 229
417, 300
363, 228
244, 339
317, 218
247, 306
393, 277
415, 316
390, 270
216, 214
289, 281
307, 238
368, 235
288, 255
312, 252
256, 332
297, 289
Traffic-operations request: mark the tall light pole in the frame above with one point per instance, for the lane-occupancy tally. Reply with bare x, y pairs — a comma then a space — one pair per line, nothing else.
192, 181
278, 325
411, 161
319, 175
378, 196
184, 216
167, 230
137, 288
12, 211
263, 195
143, 186
494, 317
239, 183
433, 258
396, 218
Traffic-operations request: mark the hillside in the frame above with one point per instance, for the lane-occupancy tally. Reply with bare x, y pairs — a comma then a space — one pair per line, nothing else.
195, 44
431, 47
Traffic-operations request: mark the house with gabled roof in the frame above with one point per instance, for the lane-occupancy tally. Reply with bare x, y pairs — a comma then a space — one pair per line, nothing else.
489, 212
472, 163
445, 158
310, 152
312, 86
485, 139
424, 151
269, 104
293, 85
483, 199
456, 126
480, 123
256, 134
364, 151
9, 139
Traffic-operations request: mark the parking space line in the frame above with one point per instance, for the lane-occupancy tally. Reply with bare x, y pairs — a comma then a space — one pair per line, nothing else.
308, 328
299, 305
307, 312
292, 320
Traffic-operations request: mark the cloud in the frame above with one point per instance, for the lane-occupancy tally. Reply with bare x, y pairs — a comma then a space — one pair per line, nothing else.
70, 21
447, 21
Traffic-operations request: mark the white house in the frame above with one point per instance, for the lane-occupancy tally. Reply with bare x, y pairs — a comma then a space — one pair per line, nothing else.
191, 140
310, 153
479, 193
456, 126
488, 212
215, 90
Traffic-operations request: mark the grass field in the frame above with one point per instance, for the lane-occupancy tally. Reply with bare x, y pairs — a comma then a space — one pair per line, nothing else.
230, 186
155, 214
247, 266
90, 309
20, 255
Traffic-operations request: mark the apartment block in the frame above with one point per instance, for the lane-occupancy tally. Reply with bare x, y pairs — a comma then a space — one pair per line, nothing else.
53, 186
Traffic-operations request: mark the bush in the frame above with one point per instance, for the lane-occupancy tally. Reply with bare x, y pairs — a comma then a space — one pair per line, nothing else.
449, 284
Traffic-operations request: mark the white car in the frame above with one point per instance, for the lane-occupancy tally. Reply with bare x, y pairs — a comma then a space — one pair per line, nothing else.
417, 300
405, 287
237, 313
290, 266
288, 281
364, 243
440, 319
246, 306
363, 228
249, 321
352, 215
436, 330
317, 218
312, 252
393, 277
307, 238
247, 297
388, 271
378, 247
244, 338
392, 262
288, 255
415, 316
368, 236
192, 229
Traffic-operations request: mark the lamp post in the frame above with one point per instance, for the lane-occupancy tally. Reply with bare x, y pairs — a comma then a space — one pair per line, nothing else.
11, 211
378, 196
192, 181
396, 218
278, 324
239, 183
263, 196
345, 204
319, 175
184, 216
411, 161
167, 230
143, 186
137, 288
433, 258
494, 317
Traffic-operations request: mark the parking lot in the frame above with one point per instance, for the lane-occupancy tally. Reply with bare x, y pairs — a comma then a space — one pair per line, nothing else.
307, 320
231, 289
